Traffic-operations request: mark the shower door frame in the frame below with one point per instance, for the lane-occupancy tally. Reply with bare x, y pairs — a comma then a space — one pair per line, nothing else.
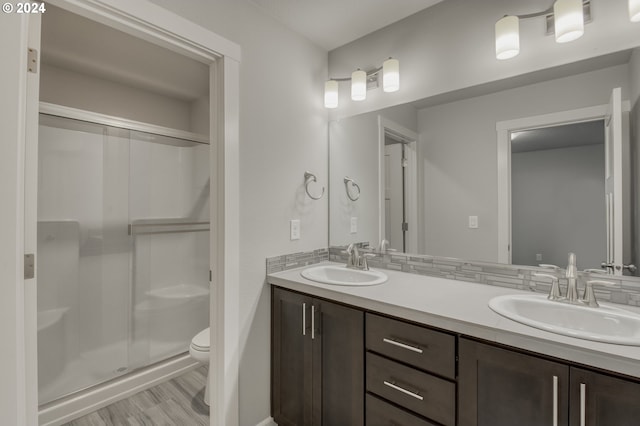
147, 21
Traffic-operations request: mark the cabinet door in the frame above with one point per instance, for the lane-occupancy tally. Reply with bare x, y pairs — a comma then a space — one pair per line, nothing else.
600, 400
338, 365
498, 387
292, 358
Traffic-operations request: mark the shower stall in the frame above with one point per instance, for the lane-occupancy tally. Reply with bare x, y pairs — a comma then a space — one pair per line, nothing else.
123, 249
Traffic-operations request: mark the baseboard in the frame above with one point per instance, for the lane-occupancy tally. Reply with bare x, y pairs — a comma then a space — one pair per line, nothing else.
267, 422
74, 406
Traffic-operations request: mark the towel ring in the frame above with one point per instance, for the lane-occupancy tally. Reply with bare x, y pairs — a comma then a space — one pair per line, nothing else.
348, 180
308, 178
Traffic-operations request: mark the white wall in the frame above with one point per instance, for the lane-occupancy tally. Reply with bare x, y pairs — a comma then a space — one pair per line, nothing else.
553, 207
63, 87
354, 152
458, 157
451, 46
283, 132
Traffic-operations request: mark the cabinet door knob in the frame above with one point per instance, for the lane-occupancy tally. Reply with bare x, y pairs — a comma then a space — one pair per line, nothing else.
313, 322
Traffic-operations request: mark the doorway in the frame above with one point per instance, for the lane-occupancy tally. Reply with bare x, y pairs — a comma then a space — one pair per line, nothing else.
398, 186
146, 21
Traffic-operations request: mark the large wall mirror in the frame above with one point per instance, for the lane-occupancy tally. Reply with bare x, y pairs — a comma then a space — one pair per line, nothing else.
523, 174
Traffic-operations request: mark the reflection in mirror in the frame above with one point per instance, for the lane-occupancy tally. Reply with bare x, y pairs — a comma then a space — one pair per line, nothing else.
459, 171
557, 194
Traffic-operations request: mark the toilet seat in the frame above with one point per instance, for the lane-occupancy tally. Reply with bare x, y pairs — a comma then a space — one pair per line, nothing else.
201, 341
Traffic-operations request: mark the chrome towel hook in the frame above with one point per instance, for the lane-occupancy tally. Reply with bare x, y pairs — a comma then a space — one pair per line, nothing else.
308, 178
348, 180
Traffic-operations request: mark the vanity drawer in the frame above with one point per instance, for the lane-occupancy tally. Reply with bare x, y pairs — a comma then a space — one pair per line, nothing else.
420, 392
421, 347
381, 413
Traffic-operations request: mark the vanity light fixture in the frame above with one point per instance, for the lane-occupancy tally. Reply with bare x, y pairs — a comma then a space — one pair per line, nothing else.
634, 10
361, 80
359, 85
331, 94
565, 19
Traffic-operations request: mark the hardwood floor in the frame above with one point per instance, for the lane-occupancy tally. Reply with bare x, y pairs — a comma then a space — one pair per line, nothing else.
176, 402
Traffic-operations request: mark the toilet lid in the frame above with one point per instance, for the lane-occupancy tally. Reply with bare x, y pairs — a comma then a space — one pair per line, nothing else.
201, 341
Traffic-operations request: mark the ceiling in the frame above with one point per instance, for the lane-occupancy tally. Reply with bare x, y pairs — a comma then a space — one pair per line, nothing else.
334, 23
113, 55
564, 136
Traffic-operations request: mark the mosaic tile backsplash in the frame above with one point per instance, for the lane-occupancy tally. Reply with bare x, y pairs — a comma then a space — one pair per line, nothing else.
627, 290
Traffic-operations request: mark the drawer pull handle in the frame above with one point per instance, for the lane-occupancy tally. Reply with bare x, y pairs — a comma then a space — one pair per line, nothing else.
402, 345
403, 390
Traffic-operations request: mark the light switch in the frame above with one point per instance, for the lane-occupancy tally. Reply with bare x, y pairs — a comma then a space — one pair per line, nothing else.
354, 225
295, 229
473, 222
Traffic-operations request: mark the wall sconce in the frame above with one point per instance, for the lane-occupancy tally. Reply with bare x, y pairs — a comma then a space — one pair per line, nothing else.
565, 19
634, 10
360, 80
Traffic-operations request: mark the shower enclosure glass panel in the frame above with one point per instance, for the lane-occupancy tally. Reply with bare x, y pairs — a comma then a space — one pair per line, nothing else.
123, 247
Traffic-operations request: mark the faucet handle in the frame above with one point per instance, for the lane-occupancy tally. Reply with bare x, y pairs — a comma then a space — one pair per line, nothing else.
589, 296
554, 293
549, 266
595, 271
364, 263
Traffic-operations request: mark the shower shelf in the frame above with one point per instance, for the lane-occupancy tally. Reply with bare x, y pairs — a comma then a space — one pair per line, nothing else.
166, 226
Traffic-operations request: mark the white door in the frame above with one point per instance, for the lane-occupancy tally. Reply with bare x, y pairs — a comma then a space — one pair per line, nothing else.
613, 182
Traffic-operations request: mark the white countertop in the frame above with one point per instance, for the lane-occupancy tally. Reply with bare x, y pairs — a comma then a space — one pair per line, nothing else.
462, 307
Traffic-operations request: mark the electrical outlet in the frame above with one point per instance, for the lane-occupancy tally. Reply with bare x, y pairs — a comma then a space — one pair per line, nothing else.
539, 257
354, 225
295, 229
473, 222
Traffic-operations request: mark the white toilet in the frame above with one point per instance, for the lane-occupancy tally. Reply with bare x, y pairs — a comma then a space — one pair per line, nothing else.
199, 350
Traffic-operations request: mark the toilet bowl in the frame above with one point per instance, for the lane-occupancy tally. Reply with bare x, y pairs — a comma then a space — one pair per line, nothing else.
199, 350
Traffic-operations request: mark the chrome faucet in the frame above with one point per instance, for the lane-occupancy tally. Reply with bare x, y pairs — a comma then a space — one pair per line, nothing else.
571, 273
572, 279
355, 259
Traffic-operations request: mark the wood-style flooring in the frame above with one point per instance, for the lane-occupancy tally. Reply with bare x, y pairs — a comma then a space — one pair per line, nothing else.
176, 402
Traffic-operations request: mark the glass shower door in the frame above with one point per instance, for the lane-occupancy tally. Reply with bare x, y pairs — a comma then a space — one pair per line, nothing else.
83, 255
169, 208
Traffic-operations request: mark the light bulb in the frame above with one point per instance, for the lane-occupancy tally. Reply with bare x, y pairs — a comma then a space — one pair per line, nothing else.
331, 94
507, 37
359, 85
569, 20
391, 75
634, 10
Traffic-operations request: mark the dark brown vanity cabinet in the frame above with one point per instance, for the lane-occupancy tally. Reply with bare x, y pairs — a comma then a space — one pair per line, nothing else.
412, 367
601, 400
317, 363
500, 387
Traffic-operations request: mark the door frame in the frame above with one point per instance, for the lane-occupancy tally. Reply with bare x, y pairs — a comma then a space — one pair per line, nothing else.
150, 22
411, 183
503, 130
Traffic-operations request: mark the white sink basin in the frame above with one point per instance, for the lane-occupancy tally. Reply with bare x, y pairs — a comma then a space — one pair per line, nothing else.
341, 275
605, 324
